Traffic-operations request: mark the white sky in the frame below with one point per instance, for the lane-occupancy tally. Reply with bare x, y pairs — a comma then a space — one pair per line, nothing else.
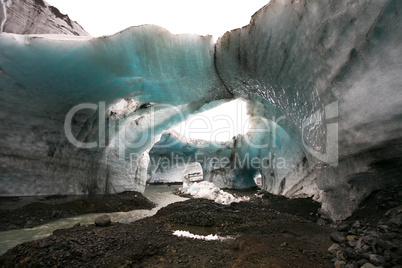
217, 124
215, 17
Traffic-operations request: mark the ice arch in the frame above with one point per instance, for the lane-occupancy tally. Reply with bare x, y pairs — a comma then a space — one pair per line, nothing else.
162, 77
303, 62
327, 65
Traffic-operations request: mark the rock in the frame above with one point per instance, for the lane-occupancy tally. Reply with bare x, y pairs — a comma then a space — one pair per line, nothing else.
334, 248
103, 221
359, 243
77, 224
396, 220
377, 259
368, 265
351, 253
361, 262
383, 226
387, 255
339, 264
356, 224
343, 227
321, 222
350, 237
352, 244
389, 236
341, 256
369, 239
338, 237
366, 248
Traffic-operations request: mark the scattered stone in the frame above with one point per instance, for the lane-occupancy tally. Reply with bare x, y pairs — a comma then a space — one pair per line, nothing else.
77, 224
343, 227
334, 248
368, 265
359, 243
396, 220
377, 259
387, 255
373, 242
321, 222
361, 262
369, 239
356, 224
338, 237
340, 264
351, 253
383, 226
350, 237
103, 221
341, 256
352, 244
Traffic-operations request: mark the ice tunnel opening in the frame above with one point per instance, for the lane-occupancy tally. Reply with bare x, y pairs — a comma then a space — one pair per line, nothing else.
182, 154
220, 123
162, 171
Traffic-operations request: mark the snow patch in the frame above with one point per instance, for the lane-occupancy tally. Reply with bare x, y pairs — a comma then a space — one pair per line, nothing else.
210, 237
123, 108
210, 191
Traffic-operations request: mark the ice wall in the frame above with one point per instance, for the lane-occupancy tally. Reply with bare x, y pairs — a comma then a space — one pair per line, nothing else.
332, 68
36, 17
161, 77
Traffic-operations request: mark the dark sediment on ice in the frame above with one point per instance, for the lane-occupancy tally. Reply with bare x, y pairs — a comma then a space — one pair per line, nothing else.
38, 213
268, 231
262, 236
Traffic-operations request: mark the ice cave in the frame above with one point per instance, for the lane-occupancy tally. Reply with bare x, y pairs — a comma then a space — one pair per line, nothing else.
321, 82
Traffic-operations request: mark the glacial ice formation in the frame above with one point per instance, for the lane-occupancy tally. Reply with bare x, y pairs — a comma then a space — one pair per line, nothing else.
322, 80
43, 79
36, 17
305, 57
208, 190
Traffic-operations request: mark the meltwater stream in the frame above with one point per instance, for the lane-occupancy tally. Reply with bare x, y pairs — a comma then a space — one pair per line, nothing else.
161, 195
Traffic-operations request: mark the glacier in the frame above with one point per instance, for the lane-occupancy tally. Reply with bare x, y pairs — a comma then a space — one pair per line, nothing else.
322, 81
36, 17
143, 66
341, 57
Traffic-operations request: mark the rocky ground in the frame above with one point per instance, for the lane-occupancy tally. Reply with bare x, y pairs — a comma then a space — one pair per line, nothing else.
372, 236
39, 213
268, 231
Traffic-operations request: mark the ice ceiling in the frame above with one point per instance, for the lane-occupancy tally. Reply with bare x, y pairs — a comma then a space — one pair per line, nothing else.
322, 81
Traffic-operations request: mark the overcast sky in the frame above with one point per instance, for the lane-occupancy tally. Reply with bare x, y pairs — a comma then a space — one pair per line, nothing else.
215, 17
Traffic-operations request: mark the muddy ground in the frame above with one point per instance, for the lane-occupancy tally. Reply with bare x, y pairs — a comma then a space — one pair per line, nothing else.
50, 208
268, 231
